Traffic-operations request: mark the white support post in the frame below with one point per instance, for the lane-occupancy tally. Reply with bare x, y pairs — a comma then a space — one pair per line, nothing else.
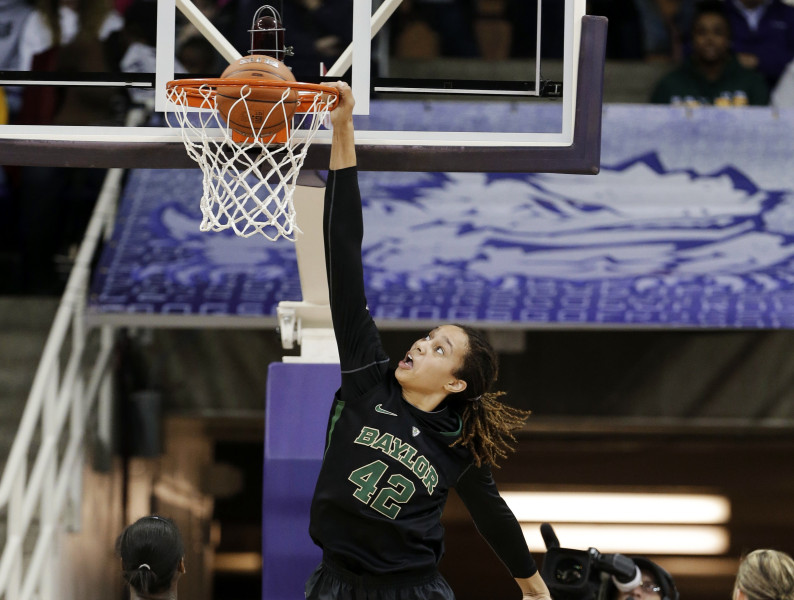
308, 323
105, 397
76, 428
16, 507
309, 246
362, 46
164, 52
48, 516
538, 57
47, 584
365, 27
377, 22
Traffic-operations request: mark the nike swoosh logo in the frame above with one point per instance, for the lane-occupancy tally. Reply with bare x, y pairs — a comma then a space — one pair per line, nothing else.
379, 408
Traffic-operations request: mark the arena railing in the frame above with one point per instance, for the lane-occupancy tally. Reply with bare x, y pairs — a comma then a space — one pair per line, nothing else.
71, 390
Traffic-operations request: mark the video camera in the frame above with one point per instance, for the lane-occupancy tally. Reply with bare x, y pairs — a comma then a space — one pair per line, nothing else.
579, 574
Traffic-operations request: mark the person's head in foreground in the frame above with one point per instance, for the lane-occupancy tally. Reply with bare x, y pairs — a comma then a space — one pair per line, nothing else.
456, 363
765, 575
657, 584
152, 557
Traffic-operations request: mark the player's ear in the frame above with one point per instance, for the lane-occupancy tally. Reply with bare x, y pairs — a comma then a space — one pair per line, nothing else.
455, 386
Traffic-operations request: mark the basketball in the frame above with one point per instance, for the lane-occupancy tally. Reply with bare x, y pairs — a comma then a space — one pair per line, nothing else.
262, 107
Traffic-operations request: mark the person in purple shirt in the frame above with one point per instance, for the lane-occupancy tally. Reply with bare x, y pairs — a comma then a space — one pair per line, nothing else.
763, 35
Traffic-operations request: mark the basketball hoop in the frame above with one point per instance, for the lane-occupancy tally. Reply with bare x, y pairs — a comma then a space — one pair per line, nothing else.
250, 171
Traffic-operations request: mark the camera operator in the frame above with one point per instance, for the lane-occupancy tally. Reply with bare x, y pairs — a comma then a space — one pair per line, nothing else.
657, 584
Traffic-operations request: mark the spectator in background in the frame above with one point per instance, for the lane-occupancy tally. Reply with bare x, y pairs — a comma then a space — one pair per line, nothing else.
453, 21
433, 28
93, 50
30, 35
199, 57
523, 17
140, 40
665, 26
657, 584
52, 205
98, 20
763, 35
234, 19
624, 34
101, 35
765, 575
152, 558
712, 75
318, 31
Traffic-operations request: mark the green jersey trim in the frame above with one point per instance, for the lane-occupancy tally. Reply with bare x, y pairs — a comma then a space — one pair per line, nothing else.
454, 433
340, 405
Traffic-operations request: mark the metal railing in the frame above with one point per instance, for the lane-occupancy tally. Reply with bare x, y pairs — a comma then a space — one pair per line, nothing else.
42, 480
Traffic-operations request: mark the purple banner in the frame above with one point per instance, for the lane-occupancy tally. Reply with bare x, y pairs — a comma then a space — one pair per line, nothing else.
689, 224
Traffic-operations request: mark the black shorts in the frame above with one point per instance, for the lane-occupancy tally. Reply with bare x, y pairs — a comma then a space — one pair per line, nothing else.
331, 582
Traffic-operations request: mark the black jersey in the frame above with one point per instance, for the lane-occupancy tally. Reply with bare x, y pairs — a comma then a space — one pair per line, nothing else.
388, 466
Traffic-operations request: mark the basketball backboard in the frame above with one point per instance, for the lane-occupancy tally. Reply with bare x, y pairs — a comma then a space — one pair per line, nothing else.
480, 106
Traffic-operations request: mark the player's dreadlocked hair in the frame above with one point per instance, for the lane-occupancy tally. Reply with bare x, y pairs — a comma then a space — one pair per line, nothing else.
488, 424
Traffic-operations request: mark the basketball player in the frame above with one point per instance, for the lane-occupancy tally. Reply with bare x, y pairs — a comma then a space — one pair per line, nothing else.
152, 558
397, 441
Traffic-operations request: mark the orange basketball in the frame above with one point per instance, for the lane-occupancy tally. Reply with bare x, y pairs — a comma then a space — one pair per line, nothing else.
262, 108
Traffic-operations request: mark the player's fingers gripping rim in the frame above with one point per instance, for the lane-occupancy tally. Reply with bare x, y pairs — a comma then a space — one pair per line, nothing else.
344, 108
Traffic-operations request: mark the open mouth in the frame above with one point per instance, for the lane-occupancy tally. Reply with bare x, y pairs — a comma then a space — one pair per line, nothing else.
407, 362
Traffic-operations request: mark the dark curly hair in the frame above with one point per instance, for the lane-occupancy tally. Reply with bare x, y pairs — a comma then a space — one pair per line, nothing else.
488, 423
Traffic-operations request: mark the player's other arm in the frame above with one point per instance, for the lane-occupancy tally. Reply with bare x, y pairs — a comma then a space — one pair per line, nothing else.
533, 588
500, 528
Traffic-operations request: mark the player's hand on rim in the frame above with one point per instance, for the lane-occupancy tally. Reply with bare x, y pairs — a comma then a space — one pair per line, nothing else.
343, 113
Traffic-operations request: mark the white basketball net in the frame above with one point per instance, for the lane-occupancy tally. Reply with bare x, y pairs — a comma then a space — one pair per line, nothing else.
247, 186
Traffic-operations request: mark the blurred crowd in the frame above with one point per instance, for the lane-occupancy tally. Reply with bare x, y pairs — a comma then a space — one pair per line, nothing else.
718, 52
736, 38
119, 36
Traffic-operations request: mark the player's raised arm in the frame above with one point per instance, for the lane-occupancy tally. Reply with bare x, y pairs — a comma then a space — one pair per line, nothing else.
361, 356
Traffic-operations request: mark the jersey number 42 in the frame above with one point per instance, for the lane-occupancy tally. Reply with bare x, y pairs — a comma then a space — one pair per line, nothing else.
398, 489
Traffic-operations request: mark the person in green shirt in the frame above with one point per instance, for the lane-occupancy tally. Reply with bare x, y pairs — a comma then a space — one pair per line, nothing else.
712, 75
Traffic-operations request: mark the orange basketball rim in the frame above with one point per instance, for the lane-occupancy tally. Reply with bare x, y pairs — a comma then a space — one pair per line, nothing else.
201, 94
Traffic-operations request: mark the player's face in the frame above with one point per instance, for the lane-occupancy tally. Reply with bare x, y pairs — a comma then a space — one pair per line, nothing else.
648, 590
429, 365
711, 39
